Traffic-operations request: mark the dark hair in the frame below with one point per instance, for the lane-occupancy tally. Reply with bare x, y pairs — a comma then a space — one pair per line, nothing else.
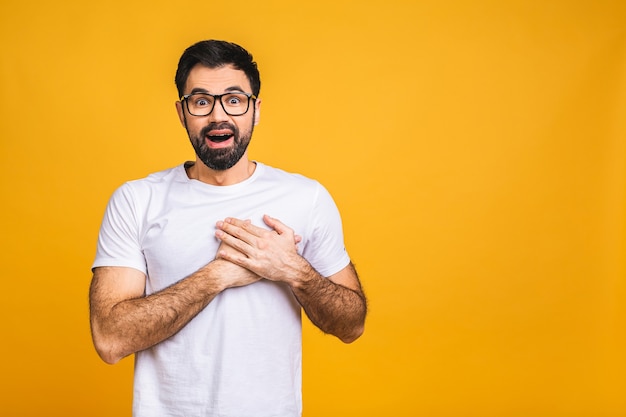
215, 54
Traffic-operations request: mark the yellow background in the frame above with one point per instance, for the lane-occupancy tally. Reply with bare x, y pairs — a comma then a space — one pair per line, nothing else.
476, 149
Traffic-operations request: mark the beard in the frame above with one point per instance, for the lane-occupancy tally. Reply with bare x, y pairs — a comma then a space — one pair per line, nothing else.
221, 159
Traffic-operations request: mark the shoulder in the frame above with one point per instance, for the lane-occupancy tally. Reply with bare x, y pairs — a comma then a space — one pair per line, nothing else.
306, 193
155, 181
138, 193
285, 178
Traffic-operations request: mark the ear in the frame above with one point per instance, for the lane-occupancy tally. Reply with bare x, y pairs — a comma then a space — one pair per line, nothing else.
181, 113
257, 111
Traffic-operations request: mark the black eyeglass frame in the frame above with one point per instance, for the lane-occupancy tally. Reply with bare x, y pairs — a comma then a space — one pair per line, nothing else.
216, 98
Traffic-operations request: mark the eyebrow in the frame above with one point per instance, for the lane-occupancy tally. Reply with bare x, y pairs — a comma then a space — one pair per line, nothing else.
229, 89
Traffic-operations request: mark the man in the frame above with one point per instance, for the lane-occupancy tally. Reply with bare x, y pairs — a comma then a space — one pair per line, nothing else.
202, 270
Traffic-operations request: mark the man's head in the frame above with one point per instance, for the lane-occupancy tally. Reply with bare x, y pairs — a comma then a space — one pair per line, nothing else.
218, 83
215, 54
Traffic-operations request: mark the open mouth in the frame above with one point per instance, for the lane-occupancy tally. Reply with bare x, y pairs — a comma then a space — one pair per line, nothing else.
219, 138
218, 134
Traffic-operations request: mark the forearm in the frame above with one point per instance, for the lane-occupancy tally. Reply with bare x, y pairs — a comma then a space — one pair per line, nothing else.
127, 326
334, 308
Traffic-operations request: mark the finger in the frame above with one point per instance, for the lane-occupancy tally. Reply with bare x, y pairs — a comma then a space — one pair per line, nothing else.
235, 228
236, 242
235, 257
276, 225
244, 225
232, 255
226, 248
234, 221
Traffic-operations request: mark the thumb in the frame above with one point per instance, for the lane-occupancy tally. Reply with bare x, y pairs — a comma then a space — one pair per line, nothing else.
276, 224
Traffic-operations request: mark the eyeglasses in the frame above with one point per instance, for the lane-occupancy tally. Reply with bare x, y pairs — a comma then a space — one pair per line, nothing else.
202, 104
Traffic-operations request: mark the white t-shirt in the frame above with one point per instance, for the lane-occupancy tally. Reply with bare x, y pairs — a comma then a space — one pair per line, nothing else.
241, 355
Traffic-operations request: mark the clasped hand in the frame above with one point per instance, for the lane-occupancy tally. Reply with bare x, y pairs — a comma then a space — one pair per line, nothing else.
271, 254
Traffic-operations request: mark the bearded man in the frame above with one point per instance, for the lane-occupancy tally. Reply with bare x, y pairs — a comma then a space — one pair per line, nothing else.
202, 270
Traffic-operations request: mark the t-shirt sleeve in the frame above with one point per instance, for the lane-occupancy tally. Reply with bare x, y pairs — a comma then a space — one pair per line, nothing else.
119, 242
326, 250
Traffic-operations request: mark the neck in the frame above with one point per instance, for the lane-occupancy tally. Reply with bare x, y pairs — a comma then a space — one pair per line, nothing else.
239, 172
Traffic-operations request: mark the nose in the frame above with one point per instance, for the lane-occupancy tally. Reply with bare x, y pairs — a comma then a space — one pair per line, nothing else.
218, 114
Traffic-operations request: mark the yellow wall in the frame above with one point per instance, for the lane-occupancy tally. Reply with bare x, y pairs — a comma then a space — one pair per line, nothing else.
477, 151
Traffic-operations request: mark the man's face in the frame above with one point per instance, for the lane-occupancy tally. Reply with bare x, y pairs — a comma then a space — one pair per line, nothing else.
220, 140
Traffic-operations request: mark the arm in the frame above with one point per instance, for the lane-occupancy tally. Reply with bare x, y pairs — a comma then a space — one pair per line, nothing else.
335, 304
124, 321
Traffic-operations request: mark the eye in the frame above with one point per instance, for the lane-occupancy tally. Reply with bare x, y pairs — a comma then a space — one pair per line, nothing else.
202, 101
233, 100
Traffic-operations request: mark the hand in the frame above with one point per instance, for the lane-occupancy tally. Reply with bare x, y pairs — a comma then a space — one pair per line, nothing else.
232, 275
271, 254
